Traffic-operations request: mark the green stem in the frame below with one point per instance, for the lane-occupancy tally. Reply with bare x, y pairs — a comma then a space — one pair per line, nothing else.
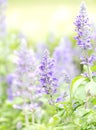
89, 72
51, 99
26, 115
88, 67
26, 119
33, 121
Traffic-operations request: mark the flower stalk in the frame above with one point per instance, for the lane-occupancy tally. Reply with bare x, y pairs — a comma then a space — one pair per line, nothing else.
84, 37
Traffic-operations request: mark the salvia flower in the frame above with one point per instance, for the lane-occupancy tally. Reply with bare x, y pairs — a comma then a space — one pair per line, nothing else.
10, 78
83, 28
3, 4
24, 85
47, 78
84, 37
89, 60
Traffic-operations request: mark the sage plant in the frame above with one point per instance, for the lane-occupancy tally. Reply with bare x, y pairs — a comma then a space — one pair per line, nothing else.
48, 80
84, 37
24, 85
3, 4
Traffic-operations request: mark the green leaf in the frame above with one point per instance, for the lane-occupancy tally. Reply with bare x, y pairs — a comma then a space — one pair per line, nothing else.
93, 68
80, 93
91, 88
76, 83
68, 127
54, 120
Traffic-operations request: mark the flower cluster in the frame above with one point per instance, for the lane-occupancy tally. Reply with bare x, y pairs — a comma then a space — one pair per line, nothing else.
47, 78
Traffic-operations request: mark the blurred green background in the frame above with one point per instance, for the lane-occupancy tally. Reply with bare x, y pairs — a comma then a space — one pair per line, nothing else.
36, 18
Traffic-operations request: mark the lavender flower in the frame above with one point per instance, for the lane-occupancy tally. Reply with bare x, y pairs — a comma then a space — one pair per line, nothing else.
63, 55
47, 79
89, 60
3, 4
83, 28
24, 85
84, 31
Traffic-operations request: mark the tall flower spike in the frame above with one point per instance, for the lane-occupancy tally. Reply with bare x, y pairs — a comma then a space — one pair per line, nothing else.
3, 4
24, 85
83, 28
84, 36
47, 78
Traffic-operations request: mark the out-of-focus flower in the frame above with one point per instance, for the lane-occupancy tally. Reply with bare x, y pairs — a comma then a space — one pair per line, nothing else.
10, 79
63, 55
47, 78
62, 97
24, 85
3, 30
19, 125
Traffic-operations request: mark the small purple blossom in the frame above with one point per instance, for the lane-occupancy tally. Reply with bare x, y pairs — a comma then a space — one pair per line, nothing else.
89, 60
10, 79
47, 78
62, 97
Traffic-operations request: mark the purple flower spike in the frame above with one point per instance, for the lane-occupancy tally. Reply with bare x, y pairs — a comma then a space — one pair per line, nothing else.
84, 37
25, 80
47, 79
3, 4
83, 28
